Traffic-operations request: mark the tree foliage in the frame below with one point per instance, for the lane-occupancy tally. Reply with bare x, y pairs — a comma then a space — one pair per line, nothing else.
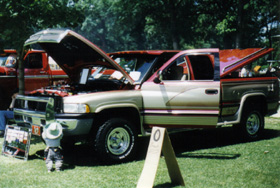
132, 24
180, 24
20, 18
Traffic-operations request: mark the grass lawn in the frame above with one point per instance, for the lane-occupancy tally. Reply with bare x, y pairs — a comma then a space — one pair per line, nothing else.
207, 158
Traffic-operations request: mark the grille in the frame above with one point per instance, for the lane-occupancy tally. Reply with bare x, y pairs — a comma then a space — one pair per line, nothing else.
38, 104
31, 105
34, 110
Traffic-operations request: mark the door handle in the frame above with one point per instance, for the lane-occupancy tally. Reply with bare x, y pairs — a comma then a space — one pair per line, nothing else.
211, 91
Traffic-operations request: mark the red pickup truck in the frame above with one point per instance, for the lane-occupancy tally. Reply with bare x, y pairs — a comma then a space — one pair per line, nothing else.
39, 69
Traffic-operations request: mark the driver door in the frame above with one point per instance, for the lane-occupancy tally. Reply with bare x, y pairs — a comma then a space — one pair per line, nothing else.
188, 94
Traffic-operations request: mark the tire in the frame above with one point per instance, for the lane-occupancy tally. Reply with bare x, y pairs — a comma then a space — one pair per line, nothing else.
116, 141
252, 124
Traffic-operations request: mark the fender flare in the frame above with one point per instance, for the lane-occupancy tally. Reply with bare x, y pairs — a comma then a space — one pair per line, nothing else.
241, 107
123, 105
243, 100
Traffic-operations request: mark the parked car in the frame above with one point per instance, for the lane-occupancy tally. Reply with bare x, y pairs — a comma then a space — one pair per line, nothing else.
111, 100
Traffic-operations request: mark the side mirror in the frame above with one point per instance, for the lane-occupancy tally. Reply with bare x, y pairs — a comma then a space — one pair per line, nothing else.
158, 78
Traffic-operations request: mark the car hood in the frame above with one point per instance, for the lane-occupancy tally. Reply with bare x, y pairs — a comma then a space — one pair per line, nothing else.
72, 52
233, 59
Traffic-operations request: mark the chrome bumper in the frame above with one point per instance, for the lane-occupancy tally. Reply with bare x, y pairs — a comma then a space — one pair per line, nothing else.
27, 114
71, 126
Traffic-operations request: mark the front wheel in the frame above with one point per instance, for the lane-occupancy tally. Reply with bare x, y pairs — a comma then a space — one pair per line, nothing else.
252, 124
116, 141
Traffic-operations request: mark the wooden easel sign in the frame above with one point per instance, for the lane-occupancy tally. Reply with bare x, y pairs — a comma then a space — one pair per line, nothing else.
160, 141
16, 142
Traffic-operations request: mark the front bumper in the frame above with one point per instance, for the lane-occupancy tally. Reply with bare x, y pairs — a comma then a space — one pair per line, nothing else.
73, 125
39, 111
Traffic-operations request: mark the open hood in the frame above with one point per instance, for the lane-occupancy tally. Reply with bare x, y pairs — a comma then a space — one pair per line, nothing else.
231, 60
72, 52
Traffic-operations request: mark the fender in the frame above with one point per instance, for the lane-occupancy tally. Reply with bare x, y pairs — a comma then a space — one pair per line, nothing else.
123, 105
240, 110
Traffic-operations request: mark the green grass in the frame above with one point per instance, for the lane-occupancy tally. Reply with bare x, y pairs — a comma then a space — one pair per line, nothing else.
208, 158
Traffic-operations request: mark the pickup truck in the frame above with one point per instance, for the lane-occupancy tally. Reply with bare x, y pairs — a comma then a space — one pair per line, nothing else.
112, 99
38, 73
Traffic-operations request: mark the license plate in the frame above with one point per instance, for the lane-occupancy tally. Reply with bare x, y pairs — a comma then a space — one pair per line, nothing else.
36, 130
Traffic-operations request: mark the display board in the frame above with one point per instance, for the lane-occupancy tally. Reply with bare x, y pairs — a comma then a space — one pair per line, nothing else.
16, 142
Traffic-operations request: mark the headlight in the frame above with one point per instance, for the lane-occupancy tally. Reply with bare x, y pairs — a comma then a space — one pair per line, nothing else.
76, 108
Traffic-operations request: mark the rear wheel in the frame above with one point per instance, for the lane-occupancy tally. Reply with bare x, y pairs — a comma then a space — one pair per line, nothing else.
252, 124
116, 141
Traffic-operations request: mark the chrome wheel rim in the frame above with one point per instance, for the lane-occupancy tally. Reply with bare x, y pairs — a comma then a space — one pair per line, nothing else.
118, 141
253, 124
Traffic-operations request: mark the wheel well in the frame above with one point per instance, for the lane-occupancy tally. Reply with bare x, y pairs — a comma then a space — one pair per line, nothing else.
130, 114
258, 102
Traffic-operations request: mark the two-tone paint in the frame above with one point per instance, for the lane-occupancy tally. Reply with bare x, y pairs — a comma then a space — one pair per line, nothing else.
191, 89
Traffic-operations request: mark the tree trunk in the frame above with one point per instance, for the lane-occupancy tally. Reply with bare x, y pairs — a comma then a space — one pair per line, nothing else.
173, 25
21, 72
239, 25
102, 36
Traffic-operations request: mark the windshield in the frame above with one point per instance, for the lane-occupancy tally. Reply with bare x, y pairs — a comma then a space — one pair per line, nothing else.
8, 61
137, 69
137, 66
100, 73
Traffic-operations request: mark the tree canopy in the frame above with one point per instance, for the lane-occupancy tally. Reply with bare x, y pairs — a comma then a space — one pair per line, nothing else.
116, 25
20, 18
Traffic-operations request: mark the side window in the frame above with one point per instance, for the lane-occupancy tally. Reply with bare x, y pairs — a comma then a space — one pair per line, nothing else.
202, 67
177, 70
33, 61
